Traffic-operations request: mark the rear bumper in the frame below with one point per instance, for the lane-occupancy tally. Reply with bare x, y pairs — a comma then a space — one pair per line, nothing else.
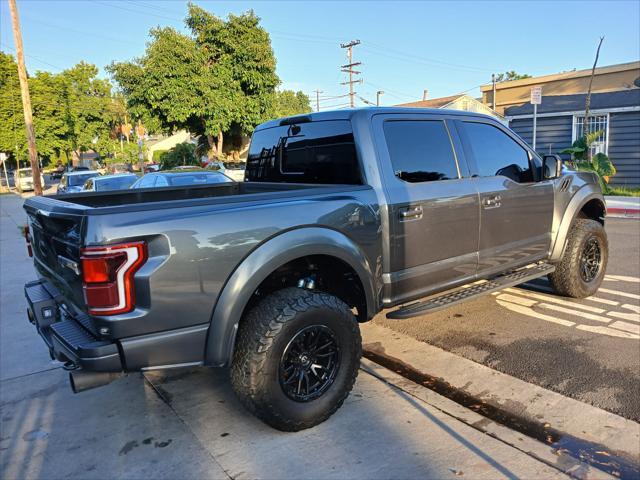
70, 337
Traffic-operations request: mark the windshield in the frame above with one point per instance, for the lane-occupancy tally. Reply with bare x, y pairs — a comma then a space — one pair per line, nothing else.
75, 180
25, 172
115, 183
197, 178
234, 165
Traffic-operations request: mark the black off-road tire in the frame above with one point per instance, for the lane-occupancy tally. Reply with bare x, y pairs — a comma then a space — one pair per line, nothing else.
263, 336
567, 279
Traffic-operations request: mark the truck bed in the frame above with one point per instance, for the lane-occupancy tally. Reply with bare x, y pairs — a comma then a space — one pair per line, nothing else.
155, 198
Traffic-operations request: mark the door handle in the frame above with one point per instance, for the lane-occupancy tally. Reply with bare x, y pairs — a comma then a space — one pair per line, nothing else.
493, 201
411, 213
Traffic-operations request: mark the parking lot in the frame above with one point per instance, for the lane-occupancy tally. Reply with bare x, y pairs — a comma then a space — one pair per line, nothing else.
188, 424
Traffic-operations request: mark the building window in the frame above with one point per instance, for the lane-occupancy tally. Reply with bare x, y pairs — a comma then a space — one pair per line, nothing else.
597, 123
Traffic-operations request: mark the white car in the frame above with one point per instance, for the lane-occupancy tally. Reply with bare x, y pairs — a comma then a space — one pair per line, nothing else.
23, 179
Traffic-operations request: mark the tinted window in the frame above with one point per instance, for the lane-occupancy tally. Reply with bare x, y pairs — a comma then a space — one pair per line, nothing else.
197, 179
312, 152
496, 153
75, 180
420, 151
146, 182
115, 183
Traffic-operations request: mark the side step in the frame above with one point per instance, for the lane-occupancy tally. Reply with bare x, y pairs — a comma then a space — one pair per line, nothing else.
474, 290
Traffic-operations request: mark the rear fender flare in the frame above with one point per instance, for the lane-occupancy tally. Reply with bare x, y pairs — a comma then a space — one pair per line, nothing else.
255, 268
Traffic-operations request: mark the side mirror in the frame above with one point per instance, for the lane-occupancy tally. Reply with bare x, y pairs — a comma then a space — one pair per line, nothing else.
551, 166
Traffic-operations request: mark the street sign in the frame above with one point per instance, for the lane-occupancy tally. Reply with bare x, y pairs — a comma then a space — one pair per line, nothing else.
536, 95
536, 99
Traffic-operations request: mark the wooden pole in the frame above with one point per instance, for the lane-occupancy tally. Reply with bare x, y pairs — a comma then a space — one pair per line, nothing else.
587, 103
26, 99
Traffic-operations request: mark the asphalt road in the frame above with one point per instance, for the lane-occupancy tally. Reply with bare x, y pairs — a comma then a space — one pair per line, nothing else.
585, 349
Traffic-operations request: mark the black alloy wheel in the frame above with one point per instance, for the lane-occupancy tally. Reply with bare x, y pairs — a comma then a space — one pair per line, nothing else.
590, 260
309, 363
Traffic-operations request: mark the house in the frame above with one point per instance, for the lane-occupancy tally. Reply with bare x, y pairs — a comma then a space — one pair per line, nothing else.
166, 143
614, 111
455, 102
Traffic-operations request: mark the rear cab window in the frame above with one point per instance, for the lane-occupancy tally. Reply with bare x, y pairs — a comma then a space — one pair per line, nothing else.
420, 150
320, 152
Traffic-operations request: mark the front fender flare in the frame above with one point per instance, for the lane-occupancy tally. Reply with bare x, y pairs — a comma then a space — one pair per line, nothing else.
575, 205
260, 264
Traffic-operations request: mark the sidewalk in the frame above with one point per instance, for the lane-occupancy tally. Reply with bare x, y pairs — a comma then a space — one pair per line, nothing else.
623, 206
188, 423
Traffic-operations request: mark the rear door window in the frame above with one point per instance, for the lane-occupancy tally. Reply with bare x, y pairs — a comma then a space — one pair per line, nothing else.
496, 153
420, 150
312, 152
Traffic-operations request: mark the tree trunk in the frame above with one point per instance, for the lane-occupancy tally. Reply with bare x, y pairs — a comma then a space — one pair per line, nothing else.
587, 103
211, 150
219, 146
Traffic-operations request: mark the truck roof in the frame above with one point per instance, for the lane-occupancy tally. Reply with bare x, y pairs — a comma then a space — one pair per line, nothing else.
347, 114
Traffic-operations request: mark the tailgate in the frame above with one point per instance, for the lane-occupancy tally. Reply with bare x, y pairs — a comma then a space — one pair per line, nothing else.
56, 241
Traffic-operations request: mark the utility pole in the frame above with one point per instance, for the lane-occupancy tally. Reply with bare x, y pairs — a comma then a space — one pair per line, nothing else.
493, 97
26, 99
318, 92
378, 93
348, 68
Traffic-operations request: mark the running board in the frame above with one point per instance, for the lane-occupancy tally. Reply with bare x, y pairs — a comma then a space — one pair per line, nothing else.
472, 290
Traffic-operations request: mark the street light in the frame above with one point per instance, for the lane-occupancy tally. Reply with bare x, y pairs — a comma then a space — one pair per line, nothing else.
378, 93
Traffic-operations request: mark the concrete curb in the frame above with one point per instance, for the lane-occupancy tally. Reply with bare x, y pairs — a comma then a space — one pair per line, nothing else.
623, 206
566, 415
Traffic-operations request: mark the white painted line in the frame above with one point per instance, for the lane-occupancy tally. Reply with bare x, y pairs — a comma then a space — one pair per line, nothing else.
530, 313
590, 316
622, 278
633, 308
517, 300
627, 327
603, 300
557, 300
607, 331
631, 317
620, 294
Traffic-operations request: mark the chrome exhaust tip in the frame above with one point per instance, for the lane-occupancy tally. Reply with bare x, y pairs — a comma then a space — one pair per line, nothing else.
81, 381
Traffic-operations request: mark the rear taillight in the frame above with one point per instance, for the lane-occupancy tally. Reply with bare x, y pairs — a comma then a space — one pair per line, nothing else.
107, 276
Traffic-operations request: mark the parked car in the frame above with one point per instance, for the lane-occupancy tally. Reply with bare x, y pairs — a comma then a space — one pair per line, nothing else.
23, 179
235, 170
343, 214
180, 177
80, 168
58, 172
72, 182
151, 167
105, 183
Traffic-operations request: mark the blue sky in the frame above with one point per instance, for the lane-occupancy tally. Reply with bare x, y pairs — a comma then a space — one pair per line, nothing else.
445, 47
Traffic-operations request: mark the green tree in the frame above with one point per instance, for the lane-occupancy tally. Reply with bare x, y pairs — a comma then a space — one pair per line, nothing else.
12, 133
220, 75
511, 75
86, 102
290, 103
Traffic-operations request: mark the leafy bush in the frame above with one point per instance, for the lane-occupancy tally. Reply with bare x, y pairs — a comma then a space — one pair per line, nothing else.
158, 155
181, 154
600, 163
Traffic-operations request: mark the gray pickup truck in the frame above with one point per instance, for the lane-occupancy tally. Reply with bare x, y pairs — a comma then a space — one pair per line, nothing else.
341, 215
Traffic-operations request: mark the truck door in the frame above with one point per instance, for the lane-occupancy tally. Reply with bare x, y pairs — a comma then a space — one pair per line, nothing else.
432, 206
516, 209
